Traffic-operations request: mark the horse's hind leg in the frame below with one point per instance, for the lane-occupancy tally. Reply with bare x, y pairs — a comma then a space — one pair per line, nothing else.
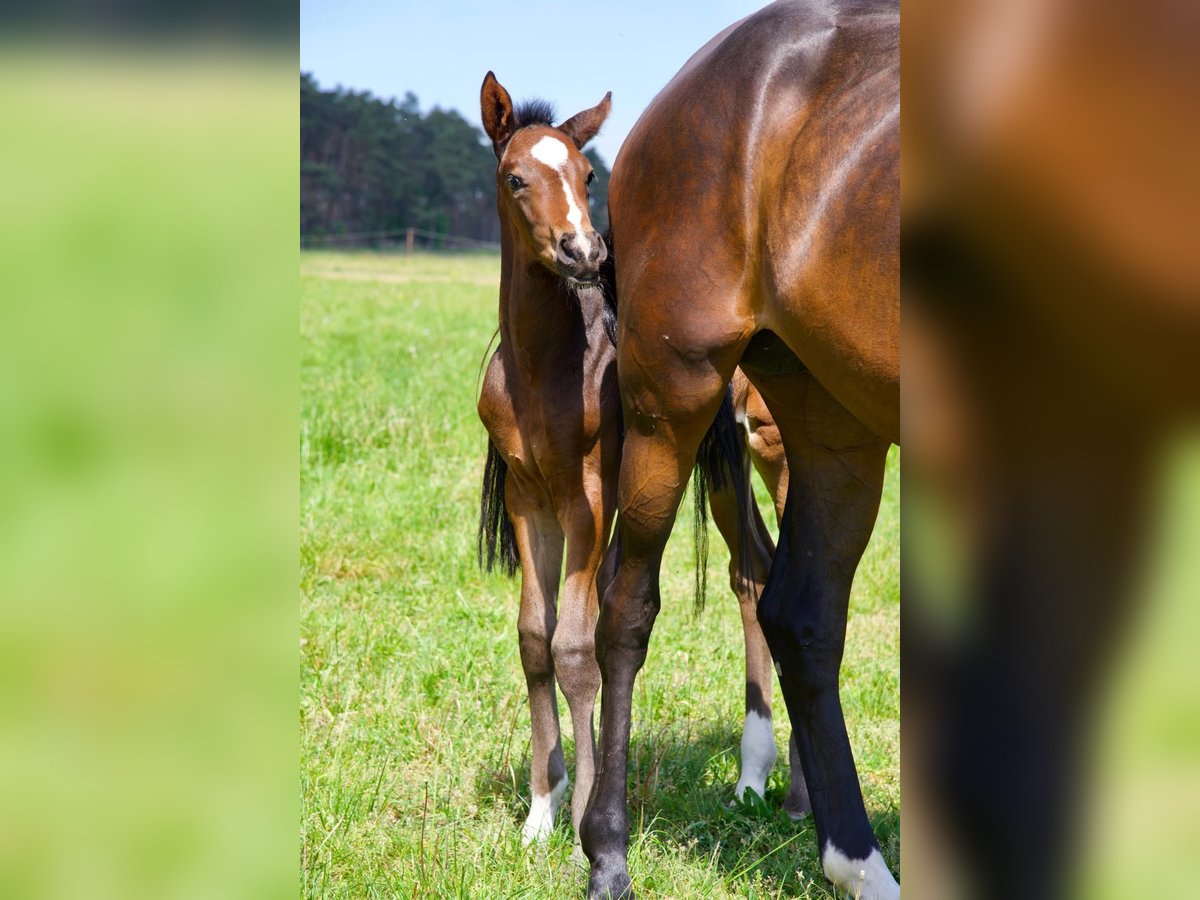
539, 546
758, 735
836, 468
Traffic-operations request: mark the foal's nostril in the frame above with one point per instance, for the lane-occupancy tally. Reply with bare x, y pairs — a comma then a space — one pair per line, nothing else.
568, 249
598, 252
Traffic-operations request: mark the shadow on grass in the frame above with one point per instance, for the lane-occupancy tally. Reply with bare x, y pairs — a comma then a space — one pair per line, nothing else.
681, 799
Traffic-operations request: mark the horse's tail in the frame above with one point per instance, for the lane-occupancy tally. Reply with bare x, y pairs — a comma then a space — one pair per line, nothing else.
497, 540
721, 461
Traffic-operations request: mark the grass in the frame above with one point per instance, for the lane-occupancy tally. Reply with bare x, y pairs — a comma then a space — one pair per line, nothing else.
414, 723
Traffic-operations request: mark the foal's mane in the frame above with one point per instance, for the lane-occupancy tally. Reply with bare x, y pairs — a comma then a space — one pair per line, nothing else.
533, 111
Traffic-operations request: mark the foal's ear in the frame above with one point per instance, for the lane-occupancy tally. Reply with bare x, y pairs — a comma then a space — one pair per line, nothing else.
496, 108
584, 126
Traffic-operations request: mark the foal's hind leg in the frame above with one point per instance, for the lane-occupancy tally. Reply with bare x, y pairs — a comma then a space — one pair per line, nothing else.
836, 468
539, 546
767, 455
758, 734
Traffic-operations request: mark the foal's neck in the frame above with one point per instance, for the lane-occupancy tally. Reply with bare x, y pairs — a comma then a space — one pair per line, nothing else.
540, 317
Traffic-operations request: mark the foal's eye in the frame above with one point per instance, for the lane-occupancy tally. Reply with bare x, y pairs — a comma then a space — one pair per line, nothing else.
591, 177
515, 183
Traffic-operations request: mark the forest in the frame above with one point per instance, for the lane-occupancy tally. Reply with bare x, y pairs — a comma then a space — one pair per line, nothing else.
370, 169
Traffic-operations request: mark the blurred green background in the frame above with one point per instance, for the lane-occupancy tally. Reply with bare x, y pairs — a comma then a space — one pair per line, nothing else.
148, 412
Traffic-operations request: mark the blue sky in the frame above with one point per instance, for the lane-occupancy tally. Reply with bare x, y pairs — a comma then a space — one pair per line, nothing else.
570, 53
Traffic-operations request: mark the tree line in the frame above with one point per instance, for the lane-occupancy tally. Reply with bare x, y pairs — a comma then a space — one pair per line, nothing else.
369, 166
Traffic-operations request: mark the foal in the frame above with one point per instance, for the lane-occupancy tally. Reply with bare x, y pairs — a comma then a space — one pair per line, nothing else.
552, 408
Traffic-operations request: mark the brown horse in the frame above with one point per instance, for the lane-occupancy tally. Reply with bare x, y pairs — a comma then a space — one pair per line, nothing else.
552, 410
755, 222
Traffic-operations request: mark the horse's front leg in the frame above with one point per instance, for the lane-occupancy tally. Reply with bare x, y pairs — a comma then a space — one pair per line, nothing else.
659, 451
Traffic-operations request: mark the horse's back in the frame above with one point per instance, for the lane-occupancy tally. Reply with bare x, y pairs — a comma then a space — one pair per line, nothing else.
771, 160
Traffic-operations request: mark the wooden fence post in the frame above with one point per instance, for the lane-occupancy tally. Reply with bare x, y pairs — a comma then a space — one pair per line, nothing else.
408, 240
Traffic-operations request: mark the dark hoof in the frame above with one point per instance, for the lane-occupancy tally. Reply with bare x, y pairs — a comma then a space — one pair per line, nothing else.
797, 807
609, 883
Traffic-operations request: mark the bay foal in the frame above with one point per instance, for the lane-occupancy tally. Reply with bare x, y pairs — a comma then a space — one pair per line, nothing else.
755, 219
552, 410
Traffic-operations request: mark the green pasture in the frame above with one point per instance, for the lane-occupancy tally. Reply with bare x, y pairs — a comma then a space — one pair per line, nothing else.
413, 718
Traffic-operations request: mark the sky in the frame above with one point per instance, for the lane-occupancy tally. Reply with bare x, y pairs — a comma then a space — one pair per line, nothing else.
567, 53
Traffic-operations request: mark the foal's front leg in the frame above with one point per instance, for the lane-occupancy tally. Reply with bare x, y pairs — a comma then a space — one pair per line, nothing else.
574, 643
539, 548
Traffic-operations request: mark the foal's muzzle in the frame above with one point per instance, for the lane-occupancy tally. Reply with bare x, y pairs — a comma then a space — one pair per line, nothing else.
580, 260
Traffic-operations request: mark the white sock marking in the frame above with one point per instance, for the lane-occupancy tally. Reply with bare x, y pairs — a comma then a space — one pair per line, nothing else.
865, 879
758, 754
553, 152
542, 811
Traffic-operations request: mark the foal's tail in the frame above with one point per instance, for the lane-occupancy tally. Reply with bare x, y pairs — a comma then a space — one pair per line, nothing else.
608, 284
722, 461
497, 540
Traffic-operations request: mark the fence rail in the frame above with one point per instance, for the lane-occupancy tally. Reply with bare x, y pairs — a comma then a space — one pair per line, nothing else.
410, 235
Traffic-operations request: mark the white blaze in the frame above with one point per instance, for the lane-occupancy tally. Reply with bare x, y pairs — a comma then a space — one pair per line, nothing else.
866, 879
553, 152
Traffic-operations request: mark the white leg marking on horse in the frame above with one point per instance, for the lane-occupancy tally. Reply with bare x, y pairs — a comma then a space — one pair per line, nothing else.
758, 754
541, 813
865, 879
553, 152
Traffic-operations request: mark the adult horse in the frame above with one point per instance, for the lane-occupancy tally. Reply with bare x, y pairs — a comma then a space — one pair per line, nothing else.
552, 410
755, 221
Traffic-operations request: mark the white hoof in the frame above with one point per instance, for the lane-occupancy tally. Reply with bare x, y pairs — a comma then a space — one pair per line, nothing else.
863, 879
758, 755
542, 810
